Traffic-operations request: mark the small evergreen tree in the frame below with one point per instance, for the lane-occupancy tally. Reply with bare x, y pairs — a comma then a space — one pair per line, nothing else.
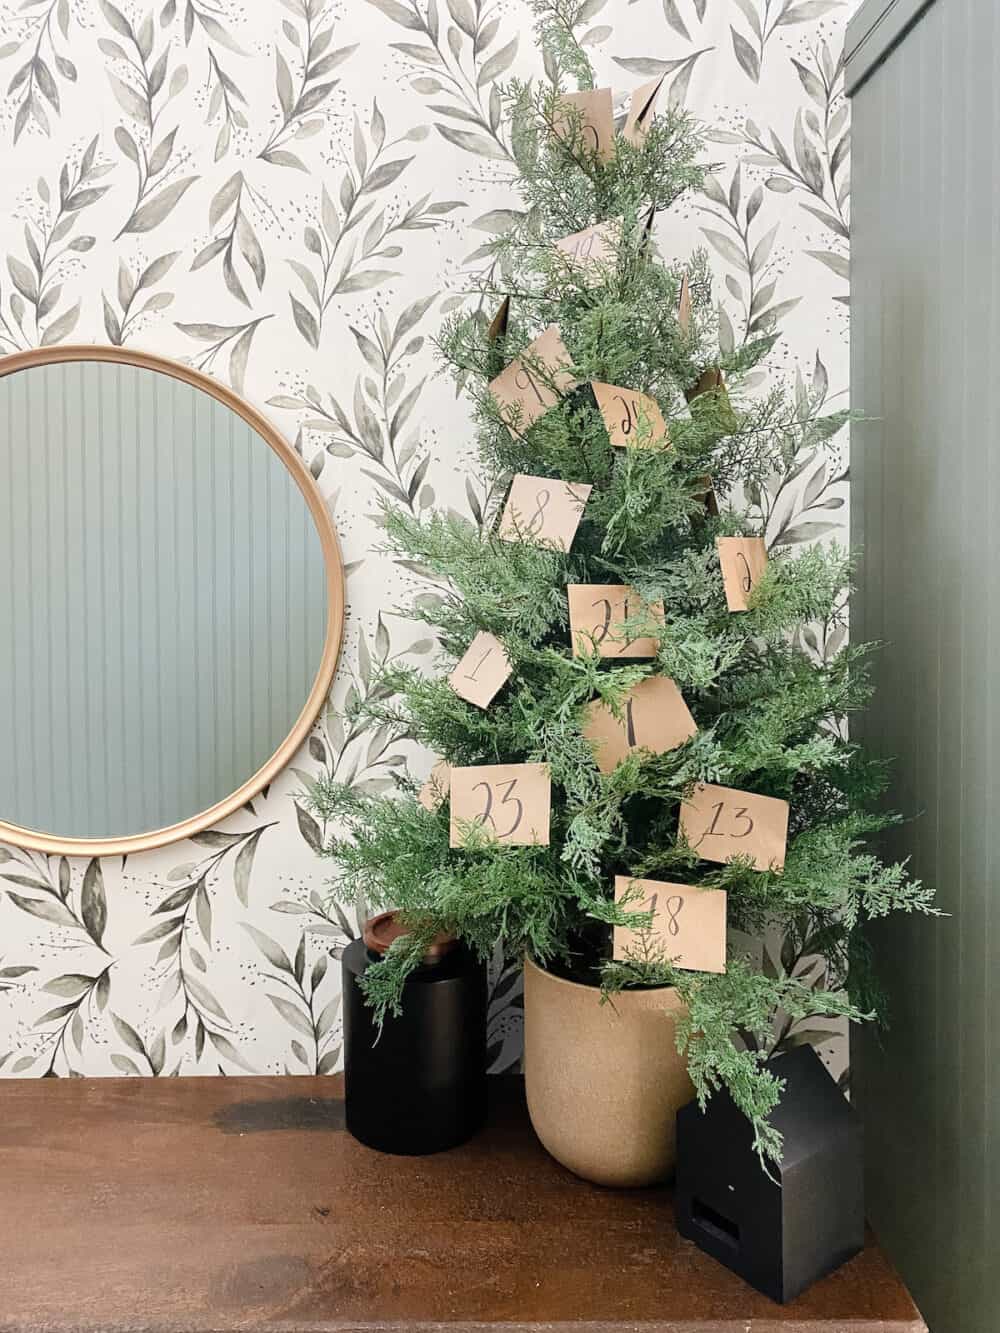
771, 718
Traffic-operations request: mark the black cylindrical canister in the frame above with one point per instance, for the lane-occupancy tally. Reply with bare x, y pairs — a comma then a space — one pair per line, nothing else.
419, 1086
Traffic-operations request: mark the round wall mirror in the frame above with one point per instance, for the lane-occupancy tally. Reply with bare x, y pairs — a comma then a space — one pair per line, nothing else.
171, 601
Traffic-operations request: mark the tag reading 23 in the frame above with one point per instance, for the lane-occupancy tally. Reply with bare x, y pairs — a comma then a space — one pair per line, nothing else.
720, 822
689, 924
510, 802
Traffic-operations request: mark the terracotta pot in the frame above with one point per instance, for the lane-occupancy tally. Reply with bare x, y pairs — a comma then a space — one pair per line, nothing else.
604, 1081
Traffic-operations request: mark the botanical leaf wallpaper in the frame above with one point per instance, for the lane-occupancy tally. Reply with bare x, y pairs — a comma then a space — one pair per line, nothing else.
289, 195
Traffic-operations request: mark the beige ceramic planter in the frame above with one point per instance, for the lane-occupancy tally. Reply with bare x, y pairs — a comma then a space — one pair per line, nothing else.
604, 1083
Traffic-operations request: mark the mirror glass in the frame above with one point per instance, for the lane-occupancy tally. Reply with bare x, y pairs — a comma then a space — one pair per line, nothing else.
163, 600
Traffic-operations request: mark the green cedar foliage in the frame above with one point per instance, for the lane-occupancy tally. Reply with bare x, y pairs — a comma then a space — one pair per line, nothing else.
771, 719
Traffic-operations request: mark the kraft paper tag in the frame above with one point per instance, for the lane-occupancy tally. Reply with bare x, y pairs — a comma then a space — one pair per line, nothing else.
719, 823
684, 307
511, 802
706, 494
689, 924
633, 419
654, 717
483, 669
436, 788
713, 382
543, 512
534, 382
595, 120
593, 247
597, 614
743, 561
498, 325
641, 109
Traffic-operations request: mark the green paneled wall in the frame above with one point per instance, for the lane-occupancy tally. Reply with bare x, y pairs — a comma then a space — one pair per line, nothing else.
926, 511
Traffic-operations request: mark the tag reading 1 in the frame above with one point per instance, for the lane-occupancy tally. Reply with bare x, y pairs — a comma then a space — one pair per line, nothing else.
633, 419
510, 802
743, 561
543, 512
655, 717
720, 823
689, 924
534, 382
481, 672
594, 117
435, 789
597, 613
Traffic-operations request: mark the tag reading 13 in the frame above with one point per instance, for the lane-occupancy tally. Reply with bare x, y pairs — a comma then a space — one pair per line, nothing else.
720, 823
689, 924
510, 802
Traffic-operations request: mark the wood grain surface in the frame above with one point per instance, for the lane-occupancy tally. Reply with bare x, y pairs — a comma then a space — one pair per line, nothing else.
208, 1204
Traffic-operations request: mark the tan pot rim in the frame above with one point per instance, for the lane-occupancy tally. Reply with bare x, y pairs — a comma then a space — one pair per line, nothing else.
582, 985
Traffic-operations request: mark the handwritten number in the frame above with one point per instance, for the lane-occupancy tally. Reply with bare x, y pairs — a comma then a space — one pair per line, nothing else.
631, 415
747, 579
525, 380
673, 907
740, 814
508, 799
718, 808
471, 675
601, 630
630, 725
537, 520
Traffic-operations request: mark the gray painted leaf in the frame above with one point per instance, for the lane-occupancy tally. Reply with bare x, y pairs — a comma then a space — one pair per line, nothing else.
151, 214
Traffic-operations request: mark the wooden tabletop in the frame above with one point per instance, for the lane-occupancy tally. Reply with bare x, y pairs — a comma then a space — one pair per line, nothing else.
209, 1204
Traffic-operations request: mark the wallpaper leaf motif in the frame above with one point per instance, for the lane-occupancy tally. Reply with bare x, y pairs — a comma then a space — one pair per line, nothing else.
217, 182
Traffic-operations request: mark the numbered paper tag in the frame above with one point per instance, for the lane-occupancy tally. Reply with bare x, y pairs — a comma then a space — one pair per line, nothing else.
498, 325
689, 924
633, 419
598, 613
654, 717
641, 110
592, 248
712, 382
594, 119
482, 671
720, 823
705, 493
435, 789
543, 512
511, 802
684, 306
743, 561
534, 382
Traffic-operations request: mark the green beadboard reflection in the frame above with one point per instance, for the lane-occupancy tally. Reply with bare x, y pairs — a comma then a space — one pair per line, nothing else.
162, 600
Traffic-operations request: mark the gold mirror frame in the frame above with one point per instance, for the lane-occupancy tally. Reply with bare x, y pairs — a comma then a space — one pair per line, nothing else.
141, 842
